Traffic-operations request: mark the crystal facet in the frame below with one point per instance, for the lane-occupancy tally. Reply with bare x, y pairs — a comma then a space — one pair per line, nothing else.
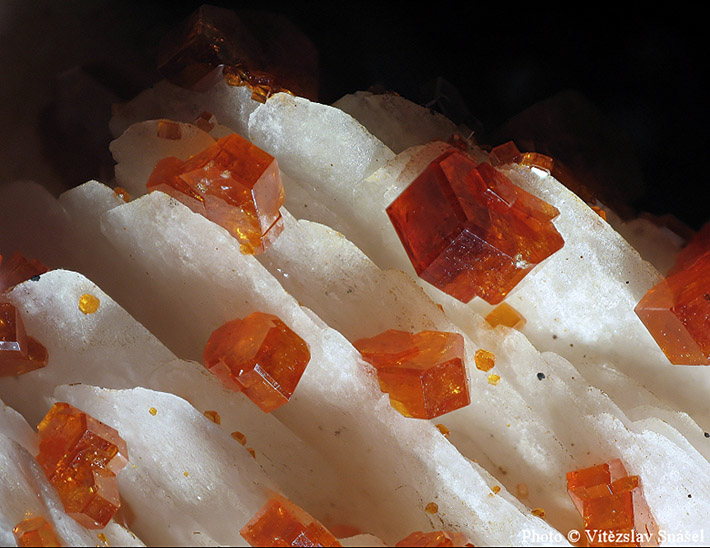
233, 183
260, 356
677, 313
434, 539
281, 523
469, 231
81, 457
423, 373
18, 353
504, 314
35, 532
18, 269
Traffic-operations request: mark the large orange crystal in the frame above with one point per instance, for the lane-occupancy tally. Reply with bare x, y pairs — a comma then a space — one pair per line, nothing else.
233, 183
35, 532
19, 353
81, 457
18, 269
423, 373
469, 231
612, 505
434, 539
677, 313
260, 356
281, 523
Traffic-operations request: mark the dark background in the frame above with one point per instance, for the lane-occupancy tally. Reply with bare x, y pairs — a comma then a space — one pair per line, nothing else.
643, 71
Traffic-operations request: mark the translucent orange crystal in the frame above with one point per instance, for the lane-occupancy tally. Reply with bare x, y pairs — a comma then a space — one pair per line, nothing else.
677, 313
19, 353
35, 532
612, 505
233, 183
469, 231
434, 539
81, 457
260, 356
18, 269
423, 373
697, 245
485, 360
281, 523
504, 314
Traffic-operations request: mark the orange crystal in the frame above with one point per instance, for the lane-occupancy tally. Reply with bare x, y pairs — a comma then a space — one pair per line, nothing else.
35, 532
504, 314
677, 313
698, 244
281, 523
260, 356
612, 503
233, 183
18, 269
434, 539
485, 360
469, 231
81, 457
423, 373
19, 353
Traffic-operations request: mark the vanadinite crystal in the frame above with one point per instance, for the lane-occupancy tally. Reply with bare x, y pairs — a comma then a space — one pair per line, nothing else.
281, 523
81, 457
35, 532
18, 269
611, 502
423, 373
18, 353
435, 539
469, 231
677, 313
504, 314
260, 356
233, 183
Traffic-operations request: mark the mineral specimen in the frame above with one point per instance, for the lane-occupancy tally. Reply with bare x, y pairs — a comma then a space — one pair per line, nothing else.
434, 539
504, 314
81, 457
423, 373
469, 231
281, 523
260, 356
233, 183
18, 353
35, 532
18, 269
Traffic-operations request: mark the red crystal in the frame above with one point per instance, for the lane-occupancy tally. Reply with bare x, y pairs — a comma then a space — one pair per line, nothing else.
469, 231
423, 373
233, 183
19, 353
18, 269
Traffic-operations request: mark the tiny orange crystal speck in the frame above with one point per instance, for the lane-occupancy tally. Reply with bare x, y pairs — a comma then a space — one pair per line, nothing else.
431, 508
35, 532
89, 304
493, 379
213, 416
434, 539
504, 314
485, 360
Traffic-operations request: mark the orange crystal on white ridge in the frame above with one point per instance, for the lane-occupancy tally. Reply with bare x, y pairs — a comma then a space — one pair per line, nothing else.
35, 532
18, 269
434, 539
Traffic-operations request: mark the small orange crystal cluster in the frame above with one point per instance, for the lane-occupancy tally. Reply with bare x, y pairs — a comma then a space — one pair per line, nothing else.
612, 506
260, 356
423, 373
81, 457
281, 523
19, 353
35, 532
469, 231
233, 183
677, 311
18, 269
435, 539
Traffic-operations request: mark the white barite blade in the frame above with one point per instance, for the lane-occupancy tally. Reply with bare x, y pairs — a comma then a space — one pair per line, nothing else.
186, 480
337, 406
231, 106
140, 147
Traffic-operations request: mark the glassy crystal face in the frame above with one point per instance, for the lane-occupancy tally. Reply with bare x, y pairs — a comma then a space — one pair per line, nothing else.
18, 269
677, 313
281, 523
234, 184
35, 532
81, 457
434, 539
423, 373
260, 356
469, 231
504, 314
19, 353
611, 502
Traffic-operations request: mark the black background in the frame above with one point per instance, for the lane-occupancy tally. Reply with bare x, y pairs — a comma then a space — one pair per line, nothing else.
644, 71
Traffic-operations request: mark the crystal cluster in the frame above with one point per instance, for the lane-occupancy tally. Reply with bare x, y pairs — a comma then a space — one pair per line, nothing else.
611, 502
281, 523
35, 532
260, 356
19, 353
677, 311
81, 457
435, 539
469, 231
423, 373
18, 269
233, 183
